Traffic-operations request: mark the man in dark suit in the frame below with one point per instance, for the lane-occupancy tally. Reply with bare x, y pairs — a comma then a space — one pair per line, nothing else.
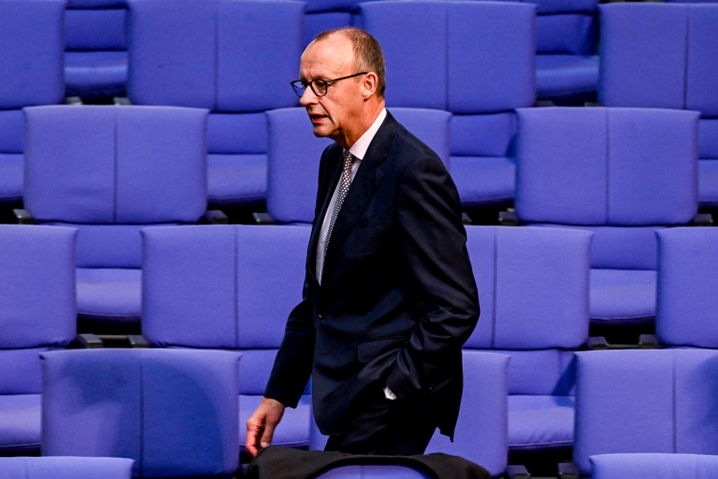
389, 296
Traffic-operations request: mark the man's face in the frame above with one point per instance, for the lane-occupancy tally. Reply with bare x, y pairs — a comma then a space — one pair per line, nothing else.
334, 115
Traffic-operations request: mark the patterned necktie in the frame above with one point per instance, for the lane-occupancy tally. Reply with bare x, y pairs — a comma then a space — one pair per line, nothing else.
345, 182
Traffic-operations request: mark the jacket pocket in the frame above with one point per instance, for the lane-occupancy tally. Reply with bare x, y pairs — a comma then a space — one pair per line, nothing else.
374, 348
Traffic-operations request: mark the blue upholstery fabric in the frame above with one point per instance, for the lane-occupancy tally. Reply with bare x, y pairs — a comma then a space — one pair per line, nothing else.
481, 86
294, 154
481, 432
234, 58
680, 40
106, 176
136, 166
620, 172
173, 412
95, 48
37, 313
109, 293
228, 287
534, 285
654, 466
31, 30
518, 271
65, 468
540, 420
568, 33
687, 282
623, 295
560, 75
93, 74
27, 30
660, 401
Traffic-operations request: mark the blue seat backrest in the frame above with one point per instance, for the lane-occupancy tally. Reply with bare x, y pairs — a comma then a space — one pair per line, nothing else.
660, 401
66, 467
533, 285
294, 155
174, 412
228, 287
37, 300
607, 166
687, 285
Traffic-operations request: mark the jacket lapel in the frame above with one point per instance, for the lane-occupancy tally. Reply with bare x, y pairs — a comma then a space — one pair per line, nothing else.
365, 183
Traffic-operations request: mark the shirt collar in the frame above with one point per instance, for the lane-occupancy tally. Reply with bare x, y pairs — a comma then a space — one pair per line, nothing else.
359, 148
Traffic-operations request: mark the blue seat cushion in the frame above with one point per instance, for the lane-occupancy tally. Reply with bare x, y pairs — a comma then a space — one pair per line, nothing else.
20, 422
623, 295
11, 176
708, 182
232, 178
654, 466
292, 431
565, 75
540, 421
109, 292
99, 73
482, 180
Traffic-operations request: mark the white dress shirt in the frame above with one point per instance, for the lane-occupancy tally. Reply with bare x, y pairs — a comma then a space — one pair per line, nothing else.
358, 149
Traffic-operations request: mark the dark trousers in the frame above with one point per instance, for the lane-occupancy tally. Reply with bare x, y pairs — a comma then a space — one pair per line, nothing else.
381, 426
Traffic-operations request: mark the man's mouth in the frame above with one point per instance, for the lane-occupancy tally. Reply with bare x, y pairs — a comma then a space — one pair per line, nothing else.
316, 117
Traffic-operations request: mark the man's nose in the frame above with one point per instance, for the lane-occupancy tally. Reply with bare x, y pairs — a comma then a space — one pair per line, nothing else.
308, 97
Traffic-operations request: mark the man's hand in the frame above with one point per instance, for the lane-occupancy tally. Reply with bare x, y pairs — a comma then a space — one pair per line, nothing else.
261, 425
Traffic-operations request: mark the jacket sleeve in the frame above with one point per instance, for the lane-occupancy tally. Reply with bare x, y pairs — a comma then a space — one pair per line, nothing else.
433, 242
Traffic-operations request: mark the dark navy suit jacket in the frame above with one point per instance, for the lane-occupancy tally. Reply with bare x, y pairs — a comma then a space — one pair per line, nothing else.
398, 297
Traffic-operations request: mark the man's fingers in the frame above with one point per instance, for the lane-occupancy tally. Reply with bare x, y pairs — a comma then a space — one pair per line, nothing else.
254, 432
266, 440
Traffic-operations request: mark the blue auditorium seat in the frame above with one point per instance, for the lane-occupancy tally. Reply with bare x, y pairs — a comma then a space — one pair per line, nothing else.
534, 290
37, 313
294, 154
566, 37
645, 401
687, 288
65, 468
109, 171
95, 48
622, 173
233, 58
31, 50
228, 287
663, 56
173, 412
481, 431
324, 15
654, 466
493, 74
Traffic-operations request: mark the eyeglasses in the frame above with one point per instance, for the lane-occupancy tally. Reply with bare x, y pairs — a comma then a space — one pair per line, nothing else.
319, 87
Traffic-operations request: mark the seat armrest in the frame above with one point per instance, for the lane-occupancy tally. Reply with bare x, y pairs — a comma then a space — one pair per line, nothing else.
702, 219
138, 341
517, 472
24, 217
263, 219
89, 341
567, 470
73, 100
508, 218
648, 341
214, 217
121, 100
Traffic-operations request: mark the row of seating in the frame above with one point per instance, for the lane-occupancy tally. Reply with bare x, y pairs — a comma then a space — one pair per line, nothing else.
621, 173
238, 67
96, 43
231, 287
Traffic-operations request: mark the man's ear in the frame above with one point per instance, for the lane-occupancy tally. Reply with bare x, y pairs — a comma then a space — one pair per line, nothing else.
370, 84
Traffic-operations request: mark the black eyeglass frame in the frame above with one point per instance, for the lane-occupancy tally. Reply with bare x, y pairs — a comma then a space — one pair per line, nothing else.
300, 86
